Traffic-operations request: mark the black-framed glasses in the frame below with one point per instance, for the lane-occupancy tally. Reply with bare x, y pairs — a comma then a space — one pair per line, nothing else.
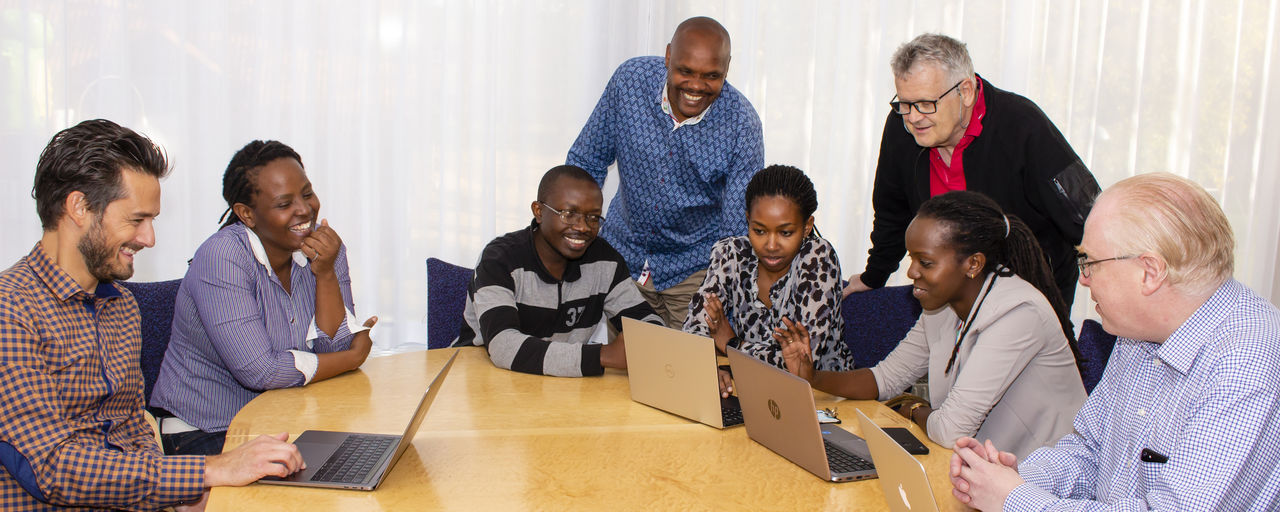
922, 106
1083, 261
571, 217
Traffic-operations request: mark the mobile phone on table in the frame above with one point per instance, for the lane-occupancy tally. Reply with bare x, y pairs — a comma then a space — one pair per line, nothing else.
906, 440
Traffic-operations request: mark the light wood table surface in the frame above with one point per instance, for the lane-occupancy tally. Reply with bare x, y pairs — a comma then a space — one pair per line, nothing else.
501, 440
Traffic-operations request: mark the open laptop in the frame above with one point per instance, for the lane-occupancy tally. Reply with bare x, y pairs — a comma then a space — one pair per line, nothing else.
355, 460
902, 477
779, 412
675, 371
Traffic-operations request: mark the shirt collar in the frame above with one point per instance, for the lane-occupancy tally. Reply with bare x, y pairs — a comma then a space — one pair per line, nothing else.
260, 253
1186, 343
666, 108
60, 282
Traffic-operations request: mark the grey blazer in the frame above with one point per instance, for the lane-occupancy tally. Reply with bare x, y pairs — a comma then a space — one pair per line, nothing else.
1015, 381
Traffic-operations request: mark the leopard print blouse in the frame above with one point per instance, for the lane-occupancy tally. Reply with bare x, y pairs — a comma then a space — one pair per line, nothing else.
809, 294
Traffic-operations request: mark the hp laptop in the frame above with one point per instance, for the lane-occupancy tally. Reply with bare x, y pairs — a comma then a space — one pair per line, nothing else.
354, 460
676, 371
779, 412
902, 477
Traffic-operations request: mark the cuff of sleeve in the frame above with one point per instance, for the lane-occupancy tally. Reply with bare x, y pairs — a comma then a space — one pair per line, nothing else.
181, 479
306, 363
1027, 497
1035, 475
882, 396
591, 360
874, 278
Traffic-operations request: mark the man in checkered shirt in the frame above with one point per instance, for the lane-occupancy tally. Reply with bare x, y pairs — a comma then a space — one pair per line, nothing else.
72, 431
1187, 415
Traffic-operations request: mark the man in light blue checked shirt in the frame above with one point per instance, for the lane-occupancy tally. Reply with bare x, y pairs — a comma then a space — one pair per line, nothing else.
1187, 415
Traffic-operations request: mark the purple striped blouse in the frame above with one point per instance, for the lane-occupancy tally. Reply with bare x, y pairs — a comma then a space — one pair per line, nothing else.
237, 333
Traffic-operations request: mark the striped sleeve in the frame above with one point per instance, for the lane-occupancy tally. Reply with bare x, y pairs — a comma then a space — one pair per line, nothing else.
494, 298
624, 299
227, 303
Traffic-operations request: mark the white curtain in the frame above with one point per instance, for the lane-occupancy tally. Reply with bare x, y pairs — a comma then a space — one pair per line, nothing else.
425, 126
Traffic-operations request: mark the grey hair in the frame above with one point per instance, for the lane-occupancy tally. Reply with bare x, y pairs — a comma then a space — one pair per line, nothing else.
947, 52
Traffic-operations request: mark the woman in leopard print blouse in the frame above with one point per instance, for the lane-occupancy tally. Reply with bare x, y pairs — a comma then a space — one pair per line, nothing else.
781, 277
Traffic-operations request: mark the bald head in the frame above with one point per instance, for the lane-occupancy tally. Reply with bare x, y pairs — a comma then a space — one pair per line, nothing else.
697, 63
703, 31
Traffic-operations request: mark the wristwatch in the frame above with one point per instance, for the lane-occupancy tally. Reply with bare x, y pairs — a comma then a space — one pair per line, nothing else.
911, 412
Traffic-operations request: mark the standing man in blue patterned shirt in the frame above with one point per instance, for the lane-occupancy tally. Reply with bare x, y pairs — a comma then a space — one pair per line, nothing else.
1187, 415
686, 143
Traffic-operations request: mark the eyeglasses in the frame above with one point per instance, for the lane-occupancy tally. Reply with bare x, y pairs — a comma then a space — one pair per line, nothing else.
571, 217
1082, 261
923, 106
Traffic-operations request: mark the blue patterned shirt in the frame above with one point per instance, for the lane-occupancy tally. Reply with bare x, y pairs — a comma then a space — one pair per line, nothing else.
679, 190
1208, 399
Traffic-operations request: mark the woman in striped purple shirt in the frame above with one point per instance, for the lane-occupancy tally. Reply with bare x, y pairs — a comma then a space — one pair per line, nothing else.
266, 303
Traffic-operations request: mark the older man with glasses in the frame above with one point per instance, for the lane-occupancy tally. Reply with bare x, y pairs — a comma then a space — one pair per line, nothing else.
1187, 415
950, 129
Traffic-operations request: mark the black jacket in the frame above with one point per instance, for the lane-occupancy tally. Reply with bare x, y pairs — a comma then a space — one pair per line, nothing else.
1020, 160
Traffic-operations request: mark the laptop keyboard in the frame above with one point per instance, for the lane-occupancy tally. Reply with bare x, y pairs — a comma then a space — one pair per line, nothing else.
730, 411
844, 462
353, 459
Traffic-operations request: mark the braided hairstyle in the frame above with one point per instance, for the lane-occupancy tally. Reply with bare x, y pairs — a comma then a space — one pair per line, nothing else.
975, 224
239, 182
784, 181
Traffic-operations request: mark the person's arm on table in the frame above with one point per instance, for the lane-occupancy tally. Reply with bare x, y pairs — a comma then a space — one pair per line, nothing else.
623, 300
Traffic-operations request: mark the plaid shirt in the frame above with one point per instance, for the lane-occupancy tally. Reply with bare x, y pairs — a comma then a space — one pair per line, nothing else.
72, 432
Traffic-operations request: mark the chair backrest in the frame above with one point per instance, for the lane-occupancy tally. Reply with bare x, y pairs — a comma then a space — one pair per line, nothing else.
446, 298
1095, 350
876, 320
155, 303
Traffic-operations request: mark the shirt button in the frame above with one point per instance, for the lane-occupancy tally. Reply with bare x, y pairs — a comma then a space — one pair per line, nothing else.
1142, 412
290, 320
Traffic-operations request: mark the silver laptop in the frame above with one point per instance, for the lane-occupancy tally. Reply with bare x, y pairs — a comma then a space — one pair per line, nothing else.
347, 460
779, 412
902, 477
675, 371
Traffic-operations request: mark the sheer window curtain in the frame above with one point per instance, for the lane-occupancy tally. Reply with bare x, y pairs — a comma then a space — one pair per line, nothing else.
425, 126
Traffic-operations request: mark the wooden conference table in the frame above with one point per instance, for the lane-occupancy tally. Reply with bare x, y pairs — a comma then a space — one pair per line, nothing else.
501, 440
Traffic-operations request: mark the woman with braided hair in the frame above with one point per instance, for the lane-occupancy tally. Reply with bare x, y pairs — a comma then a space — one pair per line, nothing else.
266, 303
781, 277
994, 338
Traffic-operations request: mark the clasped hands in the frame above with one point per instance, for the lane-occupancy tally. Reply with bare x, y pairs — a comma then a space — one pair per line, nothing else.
981, 475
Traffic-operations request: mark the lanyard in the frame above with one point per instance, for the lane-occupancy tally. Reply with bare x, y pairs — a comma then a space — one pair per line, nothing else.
964, 328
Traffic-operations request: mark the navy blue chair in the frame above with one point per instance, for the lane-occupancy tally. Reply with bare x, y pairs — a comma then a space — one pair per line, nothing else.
876, 320
446, 299
1095, 350
155, 303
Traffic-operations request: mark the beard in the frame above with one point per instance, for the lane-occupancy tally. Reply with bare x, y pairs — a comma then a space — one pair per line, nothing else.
100, 257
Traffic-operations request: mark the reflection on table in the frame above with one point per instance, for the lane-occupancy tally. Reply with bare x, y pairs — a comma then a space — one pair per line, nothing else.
496, 439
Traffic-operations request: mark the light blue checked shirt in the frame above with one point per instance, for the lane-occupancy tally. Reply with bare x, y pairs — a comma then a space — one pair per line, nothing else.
1208, 398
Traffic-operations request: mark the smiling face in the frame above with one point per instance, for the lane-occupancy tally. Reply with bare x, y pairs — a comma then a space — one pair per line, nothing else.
556, 240
926, 81
122, 229
939, 275
697, 63
776, 228
284, 209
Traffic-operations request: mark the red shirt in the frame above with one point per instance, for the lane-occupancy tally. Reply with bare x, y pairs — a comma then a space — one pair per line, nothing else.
944, 178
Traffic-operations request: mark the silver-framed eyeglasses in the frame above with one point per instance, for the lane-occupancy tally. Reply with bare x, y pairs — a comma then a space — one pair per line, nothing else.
922, 106
571, 217
1085, 264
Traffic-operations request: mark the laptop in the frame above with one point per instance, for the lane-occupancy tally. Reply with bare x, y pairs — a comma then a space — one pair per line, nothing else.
355, 460
902, 477
779, 412
675, 371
